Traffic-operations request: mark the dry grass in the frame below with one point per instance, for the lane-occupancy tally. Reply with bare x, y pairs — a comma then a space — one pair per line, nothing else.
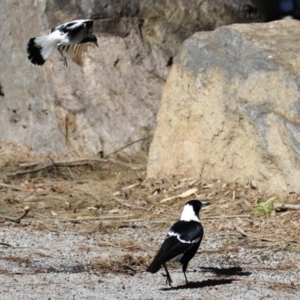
117, 190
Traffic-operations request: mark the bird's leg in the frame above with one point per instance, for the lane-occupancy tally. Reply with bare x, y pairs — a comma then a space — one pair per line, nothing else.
63, 57
168, 280
187, 283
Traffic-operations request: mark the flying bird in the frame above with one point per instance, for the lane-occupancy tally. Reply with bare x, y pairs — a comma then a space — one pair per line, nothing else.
61, 36
182, 241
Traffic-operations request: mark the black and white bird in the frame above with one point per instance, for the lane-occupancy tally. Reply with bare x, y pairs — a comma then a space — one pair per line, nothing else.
61, 36
182, 241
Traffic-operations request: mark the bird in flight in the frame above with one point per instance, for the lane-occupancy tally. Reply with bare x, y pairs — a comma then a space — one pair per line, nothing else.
182, 241
62, 37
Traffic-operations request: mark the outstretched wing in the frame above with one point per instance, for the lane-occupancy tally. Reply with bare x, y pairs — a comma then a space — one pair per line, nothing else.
75, 52
77, 31
180, 238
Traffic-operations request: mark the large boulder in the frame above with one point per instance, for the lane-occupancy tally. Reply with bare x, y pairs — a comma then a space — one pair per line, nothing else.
231, 108
110, 96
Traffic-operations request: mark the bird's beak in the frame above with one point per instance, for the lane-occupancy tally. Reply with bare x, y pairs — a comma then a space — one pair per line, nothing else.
205, 203
96, 44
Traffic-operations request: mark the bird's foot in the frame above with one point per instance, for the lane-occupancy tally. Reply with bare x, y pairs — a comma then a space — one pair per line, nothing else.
169, 281
64, 59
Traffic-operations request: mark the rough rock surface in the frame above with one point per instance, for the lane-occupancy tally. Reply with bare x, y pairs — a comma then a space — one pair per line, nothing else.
230, 108
112, 98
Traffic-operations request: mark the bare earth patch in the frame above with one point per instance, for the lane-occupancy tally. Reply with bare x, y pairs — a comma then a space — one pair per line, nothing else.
94, 224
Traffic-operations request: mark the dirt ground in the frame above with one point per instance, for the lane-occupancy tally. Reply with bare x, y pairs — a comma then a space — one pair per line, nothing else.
95, 223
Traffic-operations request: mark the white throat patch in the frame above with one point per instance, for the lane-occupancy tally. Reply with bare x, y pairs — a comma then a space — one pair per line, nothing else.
188, 214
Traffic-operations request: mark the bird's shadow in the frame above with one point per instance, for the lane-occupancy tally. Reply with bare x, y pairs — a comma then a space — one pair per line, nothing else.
233, 271
200, 284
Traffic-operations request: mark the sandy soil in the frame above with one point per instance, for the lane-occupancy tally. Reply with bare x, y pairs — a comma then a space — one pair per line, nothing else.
94, 225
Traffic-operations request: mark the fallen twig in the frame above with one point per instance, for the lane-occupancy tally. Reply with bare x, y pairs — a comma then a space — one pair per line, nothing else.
129, 187
74, 163
241, 231
17, 219
28, 165
134, 206
12, 187
95, 228
126, 146
62, 162
41, 216
261, 238
79, 219
6, 245
283, 206
182, 195
225, 217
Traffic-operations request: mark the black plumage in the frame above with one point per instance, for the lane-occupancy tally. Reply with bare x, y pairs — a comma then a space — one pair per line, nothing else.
182, 241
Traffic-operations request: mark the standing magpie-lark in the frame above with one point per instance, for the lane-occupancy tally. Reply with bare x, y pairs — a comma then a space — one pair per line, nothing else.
61, 36
182, 241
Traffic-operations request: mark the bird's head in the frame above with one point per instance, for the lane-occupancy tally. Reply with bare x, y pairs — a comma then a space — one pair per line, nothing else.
191, 210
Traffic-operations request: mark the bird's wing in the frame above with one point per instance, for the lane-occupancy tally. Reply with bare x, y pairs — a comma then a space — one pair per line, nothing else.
180, 238
187, 232
76, 31
75, 52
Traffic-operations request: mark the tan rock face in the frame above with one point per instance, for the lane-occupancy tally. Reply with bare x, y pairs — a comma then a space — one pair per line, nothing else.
230, 108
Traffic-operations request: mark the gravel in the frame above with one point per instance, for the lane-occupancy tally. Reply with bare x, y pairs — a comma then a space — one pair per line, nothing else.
68, 264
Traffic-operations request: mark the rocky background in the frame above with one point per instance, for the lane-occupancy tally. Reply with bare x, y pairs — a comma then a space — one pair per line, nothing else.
229, 108
112, 97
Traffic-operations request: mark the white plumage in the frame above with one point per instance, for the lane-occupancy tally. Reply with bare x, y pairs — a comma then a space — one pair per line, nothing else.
71, 33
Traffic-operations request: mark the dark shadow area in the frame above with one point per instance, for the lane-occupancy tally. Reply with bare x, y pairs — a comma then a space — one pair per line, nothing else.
201, 284
233, 271
67, 269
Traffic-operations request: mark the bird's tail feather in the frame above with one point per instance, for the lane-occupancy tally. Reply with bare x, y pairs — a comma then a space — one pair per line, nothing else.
39, 49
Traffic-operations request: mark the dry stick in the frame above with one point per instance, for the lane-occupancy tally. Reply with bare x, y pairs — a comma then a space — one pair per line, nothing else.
6, 245
30, 194
103, 219
71, 173
29, 165
226, 217
95, 228
54, 164
62, 162
120, 149
30, 171
286, 206
59, 164
84, 218
41, 216
243, 233
8, 186
17, 219
133, 206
